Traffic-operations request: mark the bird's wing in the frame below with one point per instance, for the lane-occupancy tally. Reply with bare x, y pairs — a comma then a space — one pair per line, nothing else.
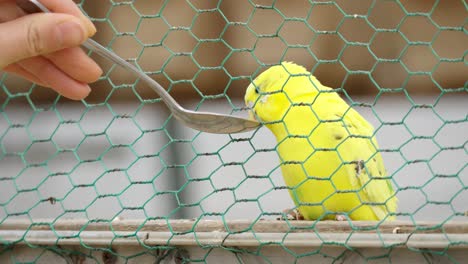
359, 149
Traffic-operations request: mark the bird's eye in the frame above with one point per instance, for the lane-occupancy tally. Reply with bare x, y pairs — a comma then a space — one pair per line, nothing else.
257, 90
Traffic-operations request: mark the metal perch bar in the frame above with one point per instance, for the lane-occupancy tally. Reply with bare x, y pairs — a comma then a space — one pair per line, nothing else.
240, 233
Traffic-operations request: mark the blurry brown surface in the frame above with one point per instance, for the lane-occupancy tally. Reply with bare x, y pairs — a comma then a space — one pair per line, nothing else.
183, 49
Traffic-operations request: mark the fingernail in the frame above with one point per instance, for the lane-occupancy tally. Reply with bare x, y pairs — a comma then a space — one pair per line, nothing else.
89, 26
83, 93
71, 33
87, 90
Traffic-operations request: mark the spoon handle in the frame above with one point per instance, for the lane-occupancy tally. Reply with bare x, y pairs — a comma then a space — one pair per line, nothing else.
34, 6
103, 52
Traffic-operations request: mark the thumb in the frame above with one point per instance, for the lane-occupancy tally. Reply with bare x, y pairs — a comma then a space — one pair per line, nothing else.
38, 34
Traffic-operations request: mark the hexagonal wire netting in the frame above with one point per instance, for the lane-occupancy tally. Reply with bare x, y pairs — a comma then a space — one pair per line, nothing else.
119, 154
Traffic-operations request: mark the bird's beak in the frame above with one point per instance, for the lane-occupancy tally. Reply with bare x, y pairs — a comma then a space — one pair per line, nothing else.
252, 115
251, 111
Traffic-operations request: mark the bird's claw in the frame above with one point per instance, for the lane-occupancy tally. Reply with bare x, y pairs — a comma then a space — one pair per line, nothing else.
291, 214
340, 217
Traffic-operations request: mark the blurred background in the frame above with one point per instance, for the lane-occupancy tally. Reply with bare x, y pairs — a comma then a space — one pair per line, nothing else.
119, 153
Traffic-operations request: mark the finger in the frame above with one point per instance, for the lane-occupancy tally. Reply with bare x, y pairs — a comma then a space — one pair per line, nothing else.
38, 34
69, 7
54, 78
76, 64
9, 11
20, 71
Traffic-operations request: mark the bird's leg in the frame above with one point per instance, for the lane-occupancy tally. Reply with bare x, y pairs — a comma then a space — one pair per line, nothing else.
298, 215
292, 214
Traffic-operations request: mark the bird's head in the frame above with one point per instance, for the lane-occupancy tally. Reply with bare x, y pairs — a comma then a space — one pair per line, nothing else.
273, 92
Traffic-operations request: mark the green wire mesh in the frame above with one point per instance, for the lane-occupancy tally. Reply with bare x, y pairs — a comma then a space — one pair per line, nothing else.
120, 155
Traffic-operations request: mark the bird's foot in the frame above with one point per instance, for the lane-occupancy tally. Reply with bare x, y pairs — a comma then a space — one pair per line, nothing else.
340, 217
291, 214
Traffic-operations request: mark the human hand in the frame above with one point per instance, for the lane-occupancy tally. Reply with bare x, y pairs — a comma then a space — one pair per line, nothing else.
44, 48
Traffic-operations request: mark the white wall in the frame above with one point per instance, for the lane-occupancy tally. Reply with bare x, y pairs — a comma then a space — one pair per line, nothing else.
155, 192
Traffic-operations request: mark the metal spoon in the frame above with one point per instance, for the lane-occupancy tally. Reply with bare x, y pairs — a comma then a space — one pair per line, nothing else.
202, 121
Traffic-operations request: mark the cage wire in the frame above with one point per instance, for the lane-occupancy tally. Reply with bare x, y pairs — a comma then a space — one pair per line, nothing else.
76, 167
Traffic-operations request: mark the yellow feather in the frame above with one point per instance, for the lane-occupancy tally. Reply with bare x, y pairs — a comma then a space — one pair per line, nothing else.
329, 155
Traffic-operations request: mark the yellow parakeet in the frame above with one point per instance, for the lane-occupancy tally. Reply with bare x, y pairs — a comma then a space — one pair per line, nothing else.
329, 155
